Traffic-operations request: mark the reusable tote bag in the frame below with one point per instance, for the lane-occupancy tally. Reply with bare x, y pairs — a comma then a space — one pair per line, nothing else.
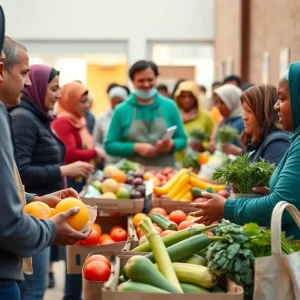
277, 277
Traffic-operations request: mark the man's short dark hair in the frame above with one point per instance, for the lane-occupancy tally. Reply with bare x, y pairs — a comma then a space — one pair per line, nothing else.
233, 78
142, 65
202, 88
162, 87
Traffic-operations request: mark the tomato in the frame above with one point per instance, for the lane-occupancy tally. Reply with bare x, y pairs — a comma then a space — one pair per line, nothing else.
104, 237
96, 271
115, 227
177, 216
78, 243
108, 241
161, 177
185, 224
93, 238
98, 257
167, 232
114, 214
119, 235
167, 171
158, 229
224, 193
158, 210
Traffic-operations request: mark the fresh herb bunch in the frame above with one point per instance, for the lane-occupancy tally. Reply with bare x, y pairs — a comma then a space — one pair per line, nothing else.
190, 161
260, 241
231, 255
198, 135
245, 175
226, 134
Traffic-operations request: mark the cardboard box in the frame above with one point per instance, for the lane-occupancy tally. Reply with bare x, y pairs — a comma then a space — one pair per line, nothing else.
234, 292
76, 254
170, 205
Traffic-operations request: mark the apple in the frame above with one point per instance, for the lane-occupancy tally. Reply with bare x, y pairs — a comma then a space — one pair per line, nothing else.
97, 185
141, 189
135, 194
129, 179
137, 181
224, 193
138, 175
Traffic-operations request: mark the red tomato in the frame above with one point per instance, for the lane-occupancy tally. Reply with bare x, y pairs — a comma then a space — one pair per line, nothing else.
96, 271
167, 232
167, 171
185, 224
108, 241
158, 229
158, 210
78, 243
115, 227
92, 239
177, 216
98, 257
119, 235
224, 193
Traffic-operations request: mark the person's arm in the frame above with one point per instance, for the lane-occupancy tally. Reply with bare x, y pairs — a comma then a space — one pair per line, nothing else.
259, 210
179, 138
26, 135
114, 145
66, 133
20, 234
98, 133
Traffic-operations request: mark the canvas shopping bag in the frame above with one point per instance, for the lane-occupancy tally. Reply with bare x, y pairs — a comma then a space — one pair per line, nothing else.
27, 261
277, 277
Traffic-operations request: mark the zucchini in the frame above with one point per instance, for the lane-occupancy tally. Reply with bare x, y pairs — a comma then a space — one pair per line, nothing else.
163, 222
189, 288
196, 192
176, 237
185, 248
199, 275
140, 269
138, 287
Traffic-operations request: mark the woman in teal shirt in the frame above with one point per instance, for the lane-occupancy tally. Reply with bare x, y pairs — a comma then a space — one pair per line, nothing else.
285, 182
138, 124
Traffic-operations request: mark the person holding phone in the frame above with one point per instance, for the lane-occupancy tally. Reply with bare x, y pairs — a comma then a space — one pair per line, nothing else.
139, 124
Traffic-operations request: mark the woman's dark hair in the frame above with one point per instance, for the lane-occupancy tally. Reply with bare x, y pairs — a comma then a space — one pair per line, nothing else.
111, 86
53, 74
233, 78
142, 65
261, 100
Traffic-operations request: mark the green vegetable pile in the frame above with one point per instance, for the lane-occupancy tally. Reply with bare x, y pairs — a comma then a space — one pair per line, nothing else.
232, 256
126, 165
198, 135
244, 175
226, 134
190, 161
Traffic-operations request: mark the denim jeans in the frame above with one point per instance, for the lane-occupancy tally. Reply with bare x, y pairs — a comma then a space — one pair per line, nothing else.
9, 290
35, 285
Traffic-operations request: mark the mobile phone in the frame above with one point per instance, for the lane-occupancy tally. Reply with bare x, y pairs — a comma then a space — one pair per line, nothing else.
169, 132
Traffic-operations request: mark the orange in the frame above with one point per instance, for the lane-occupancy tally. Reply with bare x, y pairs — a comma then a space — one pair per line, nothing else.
203, 158
119, 176
137, 218
147, 176
77, 221
38, 209
97, 227
110, 186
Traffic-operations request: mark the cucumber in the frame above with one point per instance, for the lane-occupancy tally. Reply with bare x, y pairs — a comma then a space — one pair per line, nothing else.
196, 192
189, 288
138, 287
185, 248
163, 222
210, 190
140, 269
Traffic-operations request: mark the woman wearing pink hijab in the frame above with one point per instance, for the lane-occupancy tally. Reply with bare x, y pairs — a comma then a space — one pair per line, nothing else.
41, 157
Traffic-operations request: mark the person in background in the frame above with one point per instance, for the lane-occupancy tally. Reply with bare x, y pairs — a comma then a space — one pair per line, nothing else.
263, 137
285, 181
175, 88
116, 96
246, 86
139, 124
233, 79
22, 235
214, 111
204, 102
41, 156
227, 99
89, 117
70, 127
193, 117
163, 90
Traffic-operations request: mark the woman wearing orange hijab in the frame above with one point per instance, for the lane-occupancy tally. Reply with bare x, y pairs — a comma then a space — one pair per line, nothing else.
70, 127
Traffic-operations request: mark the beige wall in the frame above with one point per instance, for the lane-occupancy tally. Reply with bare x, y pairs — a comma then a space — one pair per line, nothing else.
273, 25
